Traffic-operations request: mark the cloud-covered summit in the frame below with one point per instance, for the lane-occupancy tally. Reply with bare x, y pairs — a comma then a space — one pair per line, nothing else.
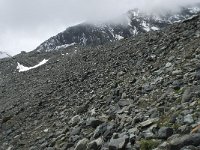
25, 24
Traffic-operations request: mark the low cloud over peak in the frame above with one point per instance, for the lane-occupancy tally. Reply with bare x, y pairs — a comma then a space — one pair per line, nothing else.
25, 24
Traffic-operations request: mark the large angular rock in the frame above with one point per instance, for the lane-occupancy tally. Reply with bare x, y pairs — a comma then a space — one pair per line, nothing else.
188, 119
119, 143
94, 145
93, 122
165, 132
178, 143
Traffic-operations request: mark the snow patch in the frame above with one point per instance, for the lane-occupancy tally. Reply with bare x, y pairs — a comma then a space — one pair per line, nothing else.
64, 46
22, 68
155, 28
119, 37
194, 10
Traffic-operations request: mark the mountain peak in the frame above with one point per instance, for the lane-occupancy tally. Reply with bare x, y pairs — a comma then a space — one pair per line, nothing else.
94, 34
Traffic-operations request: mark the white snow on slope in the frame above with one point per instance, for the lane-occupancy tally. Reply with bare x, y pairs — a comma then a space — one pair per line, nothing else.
155, 28
22, 68
64, 46
194, 9
119, 37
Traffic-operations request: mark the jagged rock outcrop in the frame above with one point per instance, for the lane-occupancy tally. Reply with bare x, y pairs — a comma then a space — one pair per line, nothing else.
130, 92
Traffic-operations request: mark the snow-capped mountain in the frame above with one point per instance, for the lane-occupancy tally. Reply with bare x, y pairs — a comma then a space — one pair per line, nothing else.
134, 22
4, 55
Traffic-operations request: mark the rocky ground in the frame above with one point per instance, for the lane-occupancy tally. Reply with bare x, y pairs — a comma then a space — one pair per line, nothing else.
140, 93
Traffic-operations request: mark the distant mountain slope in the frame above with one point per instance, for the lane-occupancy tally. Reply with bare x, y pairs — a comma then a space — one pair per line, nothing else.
4, 55
133, 23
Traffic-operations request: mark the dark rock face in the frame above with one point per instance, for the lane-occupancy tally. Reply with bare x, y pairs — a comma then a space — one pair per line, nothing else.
165, 132
130, 94
133, 23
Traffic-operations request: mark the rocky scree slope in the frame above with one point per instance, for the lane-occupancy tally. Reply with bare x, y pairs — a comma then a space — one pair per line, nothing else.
140, 93
132, 23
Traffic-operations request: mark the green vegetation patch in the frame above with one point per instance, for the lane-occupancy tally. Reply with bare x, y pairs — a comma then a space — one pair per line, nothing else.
148, 144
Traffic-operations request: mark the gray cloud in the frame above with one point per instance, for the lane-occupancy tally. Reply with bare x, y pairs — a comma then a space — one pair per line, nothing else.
25, 24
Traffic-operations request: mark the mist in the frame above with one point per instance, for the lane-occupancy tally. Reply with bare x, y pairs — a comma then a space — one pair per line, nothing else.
26, 24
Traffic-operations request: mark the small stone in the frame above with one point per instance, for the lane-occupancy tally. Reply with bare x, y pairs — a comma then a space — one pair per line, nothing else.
121, 73
82, 144
46, 130
93, 122
177, 72
123, 103
75, 131
75, 120
148, 122
196, 129
94, 145
50, 148
67, 146
132, 139
119, 143
168, 65
6, 119
100, 130
124, 95
188, 119
197, 75
189, 148
184, 129
187, 95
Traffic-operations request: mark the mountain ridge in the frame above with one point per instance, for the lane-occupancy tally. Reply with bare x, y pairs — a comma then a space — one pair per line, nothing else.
136, 22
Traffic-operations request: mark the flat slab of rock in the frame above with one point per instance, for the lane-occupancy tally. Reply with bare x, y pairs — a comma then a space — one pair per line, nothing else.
148, 122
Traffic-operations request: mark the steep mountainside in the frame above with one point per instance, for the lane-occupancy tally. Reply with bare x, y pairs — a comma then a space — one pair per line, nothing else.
134, 94
133, 23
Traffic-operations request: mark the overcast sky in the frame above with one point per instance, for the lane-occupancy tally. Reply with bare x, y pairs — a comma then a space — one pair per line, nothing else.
25, 24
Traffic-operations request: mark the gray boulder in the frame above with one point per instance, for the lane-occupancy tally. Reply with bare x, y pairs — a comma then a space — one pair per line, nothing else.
165, 132
187, 140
